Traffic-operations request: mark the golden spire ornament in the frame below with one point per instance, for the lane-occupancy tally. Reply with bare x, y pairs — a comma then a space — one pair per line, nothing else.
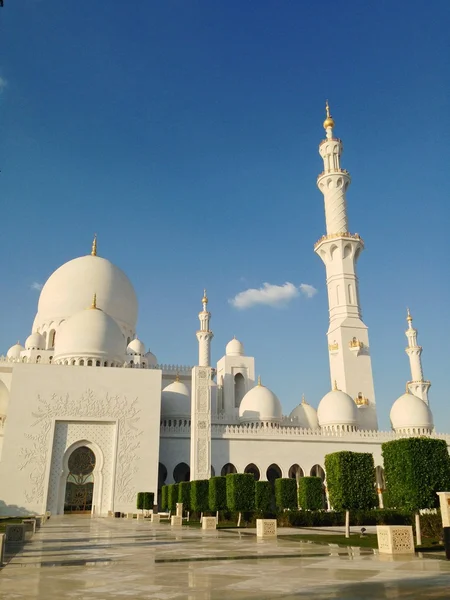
205, 298
259, 380
94, 246
94, 301
329, 122
408, 315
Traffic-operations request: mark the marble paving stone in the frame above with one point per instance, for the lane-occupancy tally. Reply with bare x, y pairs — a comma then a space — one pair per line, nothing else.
103, 559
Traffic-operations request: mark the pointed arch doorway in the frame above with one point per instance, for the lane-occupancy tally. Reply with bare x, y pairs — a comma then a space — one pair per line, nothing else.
79, 491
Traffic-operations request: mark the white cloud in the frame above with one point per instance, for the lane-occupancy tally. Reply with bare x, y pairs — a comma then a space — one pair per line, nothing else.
3, 84
36, 286
307, 290
272, 295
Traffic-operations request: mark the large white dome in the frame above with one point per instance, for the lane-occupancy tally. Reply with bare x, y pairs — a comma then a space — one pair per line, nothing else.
234, 348
70, 288
410, 412
91, 334
337, 410
304, 415
260, 404
175, 400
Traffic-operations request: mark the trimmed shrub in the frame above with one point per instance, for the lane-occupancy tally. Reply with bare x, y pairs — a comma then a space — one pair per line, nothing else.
172, 497
310, 493
351, 480
415, 469
140, 501
263, 496
199, 495
217, 493
164, 497
322, 518
286, 493
184, 494
148, 501
240, 491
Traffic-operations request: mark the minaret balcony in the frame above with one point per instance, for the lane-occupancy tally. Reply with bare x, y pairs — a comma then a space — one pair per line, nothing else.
333, 172
333, 348
355, 346
341, 234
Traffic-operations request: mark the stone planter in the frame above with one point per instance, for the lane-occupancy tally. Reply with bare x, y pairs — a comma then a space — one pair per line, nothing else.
395, 539
266, 527
209, 523
176, 521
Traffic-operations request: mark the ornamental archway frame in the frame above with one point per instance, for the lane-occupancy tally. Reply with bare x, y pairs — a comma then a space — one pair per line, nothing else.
97, 475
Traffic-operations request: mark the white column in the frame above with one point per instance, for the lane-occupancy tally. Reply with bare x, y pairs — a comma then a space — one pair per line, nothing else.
201, 423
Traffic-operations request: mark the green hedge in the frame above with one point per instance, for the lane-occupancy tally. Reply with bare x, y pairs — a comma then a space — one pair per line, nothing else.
199, 495
164, 497
240, 491
172, 497
322, 518
217, 493
310, 493
140, 501
286, 493
148, 500
351, 480
184, 494
263, 496
415, 469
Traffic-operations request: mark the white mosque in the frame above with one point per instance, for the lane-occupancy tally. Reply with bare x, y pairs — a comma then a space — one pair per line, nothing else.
88, 418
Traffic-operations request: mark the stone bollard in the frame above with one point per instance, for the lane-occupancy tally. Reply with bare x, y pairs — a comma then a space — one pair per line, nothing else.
209, 523
176, 521
266, 528
2, 548
110, 513
179, 509
30, 525
156, 518
395, 539
140, 517
130, 515
15, 533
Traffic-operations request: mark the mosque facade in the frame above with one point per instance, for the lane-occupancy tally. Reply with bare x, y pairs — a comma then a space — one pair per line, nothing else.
88, 418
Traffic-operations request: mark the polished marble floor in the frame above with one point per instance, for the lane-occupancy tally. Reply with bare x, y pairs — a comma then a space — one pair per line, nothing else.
79, 558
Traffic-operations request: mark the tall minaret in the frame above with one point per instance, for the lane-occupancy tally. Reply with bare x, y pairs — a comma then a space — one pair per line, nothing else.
348, 340
204, 335
417, 386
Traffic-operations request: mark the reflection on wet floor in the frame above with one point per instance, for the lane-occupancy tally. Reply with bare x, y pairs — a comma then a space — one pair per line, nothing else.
80, 558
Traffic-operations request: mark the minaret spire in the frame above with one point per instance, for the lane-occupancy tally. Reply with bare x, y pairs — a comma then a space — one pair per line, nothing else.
348, 340
417, 386
204, 335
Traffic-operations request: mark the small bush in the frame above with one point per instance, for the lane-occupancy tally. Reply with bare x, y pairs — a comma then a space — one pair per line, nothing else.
286, 494
164, 497
172, 497
240, 491
140, 501
199, 495
351, 480
148, 500
217, 493
310, 493
184, 494
263, 496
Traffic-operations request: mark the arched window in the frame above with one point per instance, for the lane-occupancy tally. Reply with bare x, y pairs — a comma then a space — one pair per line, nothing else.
317, 471
239, 389
273, 472
73, 362
253, 469
227, 469
50, 360
181, 472
81, 363
38, 359
97, 363
295, 472
89, 363
80, 481
51, 339
162, 475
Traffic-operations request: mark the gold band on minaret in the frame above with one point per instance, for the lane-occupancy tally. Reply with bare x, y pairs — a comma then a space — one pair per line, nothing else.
94, 246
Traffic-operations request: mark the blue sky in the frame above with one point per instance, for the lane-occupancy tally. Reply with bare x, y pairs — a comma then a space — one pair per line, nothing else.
185, 134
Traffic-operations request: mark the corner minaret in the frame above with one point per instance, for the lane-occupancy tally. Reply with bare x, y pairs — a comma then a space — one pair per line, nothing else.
348, 340
417, 386
204, 335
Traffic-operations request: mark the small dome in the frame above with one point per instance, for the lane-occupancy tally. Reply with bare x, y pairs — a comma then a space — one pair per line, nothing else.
136, 347
175, 400
234, 348
260, 404
14, 351
152, 361
304, 415
337, 408
35, 341
91, 333
410, 412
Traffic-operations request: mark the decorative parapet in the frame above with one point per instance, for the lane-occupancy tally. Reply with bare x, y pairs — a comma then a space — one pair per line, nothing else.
173, 368
341, 234
333, 139
333, 172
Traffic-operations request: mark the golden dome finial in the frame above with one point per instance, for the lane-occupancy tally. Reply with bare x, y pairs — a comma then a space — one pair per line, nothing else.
329, 122
408, 315
335, 389
94, 301
304, 399
177, 378
259, 380
205, 297
94, 246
